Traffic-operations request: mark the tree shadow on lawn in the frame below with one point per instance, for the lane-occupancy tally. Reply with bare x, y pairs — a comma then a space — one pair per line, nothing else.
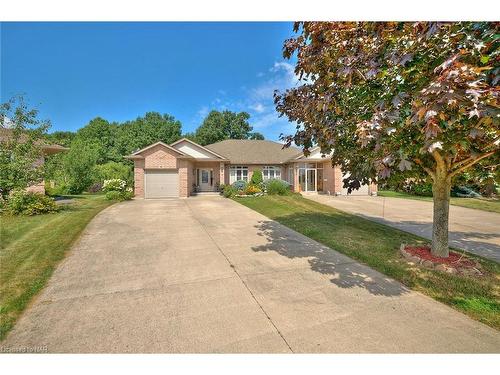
462, 240
342, 271
459, 240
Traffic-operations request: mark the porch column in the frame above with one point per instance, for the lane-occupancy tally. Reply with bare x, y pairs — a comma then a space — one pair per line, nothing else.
296, 186
221, 174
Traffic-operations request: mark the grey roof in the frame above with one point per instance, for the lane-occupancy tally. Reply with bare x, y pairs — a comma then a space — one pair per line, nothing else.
247, 151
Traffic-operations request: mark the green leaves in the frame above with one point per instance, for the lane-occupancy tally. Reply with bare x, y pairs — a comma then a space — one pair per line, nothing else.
414, 89
218, 126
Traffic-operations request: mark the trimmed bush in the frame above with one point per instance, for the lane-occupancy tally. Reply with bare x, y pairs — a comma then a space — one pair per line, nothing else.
239, 185
228, 191
277, 187
256, 177
114, 195
21, 202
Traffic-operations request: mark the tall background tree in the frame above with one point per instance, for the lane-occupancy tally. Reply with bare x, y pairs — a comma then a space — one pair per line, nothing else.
21, 140
97, 150
218, 126
398, 100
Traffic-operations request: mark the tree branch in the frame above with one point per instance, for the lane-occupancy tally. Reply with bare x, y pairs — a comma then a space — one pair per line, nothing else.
439, 159
471, 158
471, 163
428, 170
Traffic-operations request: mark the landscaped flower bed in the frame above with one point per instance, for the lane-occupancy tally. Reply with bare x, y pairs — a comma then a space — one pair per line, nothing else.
456, 263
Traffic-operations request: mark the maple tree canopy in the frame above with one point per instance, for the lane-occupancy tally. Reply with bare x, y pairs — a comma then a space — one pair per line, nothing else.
396, 99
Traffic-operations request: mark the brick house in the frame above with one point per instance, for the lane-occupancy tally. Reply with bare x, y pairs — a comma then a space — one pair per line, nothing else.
185, 167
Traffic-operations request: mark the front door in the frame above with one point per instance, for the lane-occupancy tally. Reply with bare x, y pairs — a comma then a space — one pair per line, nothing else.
205, 180
307, 179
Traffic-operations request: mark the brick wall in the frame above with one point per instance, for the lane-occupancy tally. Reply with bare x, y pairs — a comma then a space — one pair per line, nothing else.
139, 178
185, 178
157, 157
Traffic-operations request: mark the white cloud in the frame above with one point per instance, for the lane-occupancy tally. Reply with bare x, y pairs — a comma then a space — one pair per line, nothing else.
202, 112
264, 118
259, 101
258, 107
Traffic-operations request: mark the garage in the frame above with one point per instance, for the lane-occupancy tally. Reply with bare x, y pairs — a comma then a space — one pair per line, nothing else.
161, 183
363, 189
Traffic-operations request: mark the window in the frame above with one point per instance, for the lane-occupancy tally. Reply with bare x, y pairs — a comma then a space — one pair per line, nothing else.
238, 173
269, 172
290, 175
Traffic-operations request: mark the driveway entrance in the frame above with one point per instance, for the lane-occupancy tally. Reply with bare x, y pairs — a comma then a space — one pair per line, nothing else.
206, 274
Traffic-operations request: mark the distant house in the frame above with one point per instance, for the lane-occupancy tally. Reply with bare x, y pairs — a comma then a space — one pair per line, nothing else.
47, 149
185, 167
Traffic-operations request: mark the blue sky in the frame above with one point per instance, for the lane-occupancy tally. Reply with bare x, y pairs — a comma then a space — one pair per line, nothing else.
73, 72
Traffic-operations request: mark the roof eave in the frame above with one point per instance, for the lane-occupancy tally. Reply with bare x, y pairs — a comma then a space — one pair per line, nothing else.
200, 146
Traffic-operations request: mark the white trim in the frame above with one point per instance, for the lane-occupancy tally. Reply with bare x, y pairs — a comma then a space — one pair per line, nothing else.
276, 172
236, 169
200, 146
156, 144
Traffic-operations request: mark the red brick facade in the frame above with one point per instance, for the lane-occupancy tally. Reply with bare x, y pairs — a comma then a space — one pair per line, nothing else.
161, 156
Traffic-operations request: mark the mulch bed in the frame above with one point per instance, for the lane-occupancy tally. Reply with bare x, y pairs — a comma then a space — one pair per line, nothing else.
456, 263
424, 252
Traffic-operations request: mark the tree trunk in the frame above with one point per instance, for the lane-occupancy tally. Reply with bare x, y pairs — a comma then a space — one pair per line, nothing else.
441, 196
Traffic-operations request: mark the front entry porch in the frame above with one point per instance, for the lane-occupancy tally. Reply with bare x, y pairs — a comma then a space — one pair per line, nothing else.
207, 177
309, 177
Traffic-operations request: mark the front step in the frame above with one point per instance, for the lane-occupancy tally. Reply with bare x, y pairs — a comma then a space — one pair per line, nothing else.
204, 193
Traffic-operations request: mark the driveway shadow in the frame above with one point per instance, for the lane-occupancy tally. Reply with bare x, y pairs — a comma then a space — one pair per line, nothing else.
341, 270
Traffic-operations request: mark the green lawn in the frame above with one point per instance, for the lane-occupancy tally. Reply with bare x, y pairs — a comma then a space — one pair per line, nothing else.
30, 249
485, 204
377, 246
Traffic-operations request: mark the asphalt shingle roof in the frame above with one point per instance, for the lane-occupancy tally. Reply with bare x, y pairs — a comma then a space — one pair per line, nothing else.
246, 151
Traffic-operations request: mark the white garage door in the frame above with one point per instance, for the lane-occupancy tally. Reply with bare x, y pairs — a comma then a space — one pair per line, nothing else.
363, 189
161, 184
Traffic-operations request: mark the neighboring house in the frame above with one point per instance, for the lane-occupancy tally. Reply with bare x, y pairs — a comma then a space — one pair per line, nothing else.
47, 149
185, 167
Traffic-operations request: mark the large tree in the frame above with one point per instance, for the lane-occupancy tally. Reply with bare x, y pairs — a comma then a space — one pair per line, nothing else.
398, 100
218, 126
21, 141
143, 131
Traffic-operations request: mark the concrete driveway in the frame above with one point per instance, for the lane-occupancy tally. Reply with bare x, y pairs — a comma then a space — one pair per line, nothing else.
209, 275
473, 230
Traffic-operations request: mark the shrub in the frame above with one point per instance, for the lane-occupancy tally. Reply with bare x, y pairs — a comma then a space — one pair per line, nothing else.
256, 177
114, 195
228, 191
95, 188
424, 189
239, 185
252, 189
114, 184
21, 202
114, 170
277, 187
464, 192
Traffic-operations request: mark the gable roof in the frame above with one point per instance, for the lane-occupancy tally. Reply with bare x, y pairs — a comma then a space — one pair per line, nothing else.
250, 151
198, 145
137, 154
